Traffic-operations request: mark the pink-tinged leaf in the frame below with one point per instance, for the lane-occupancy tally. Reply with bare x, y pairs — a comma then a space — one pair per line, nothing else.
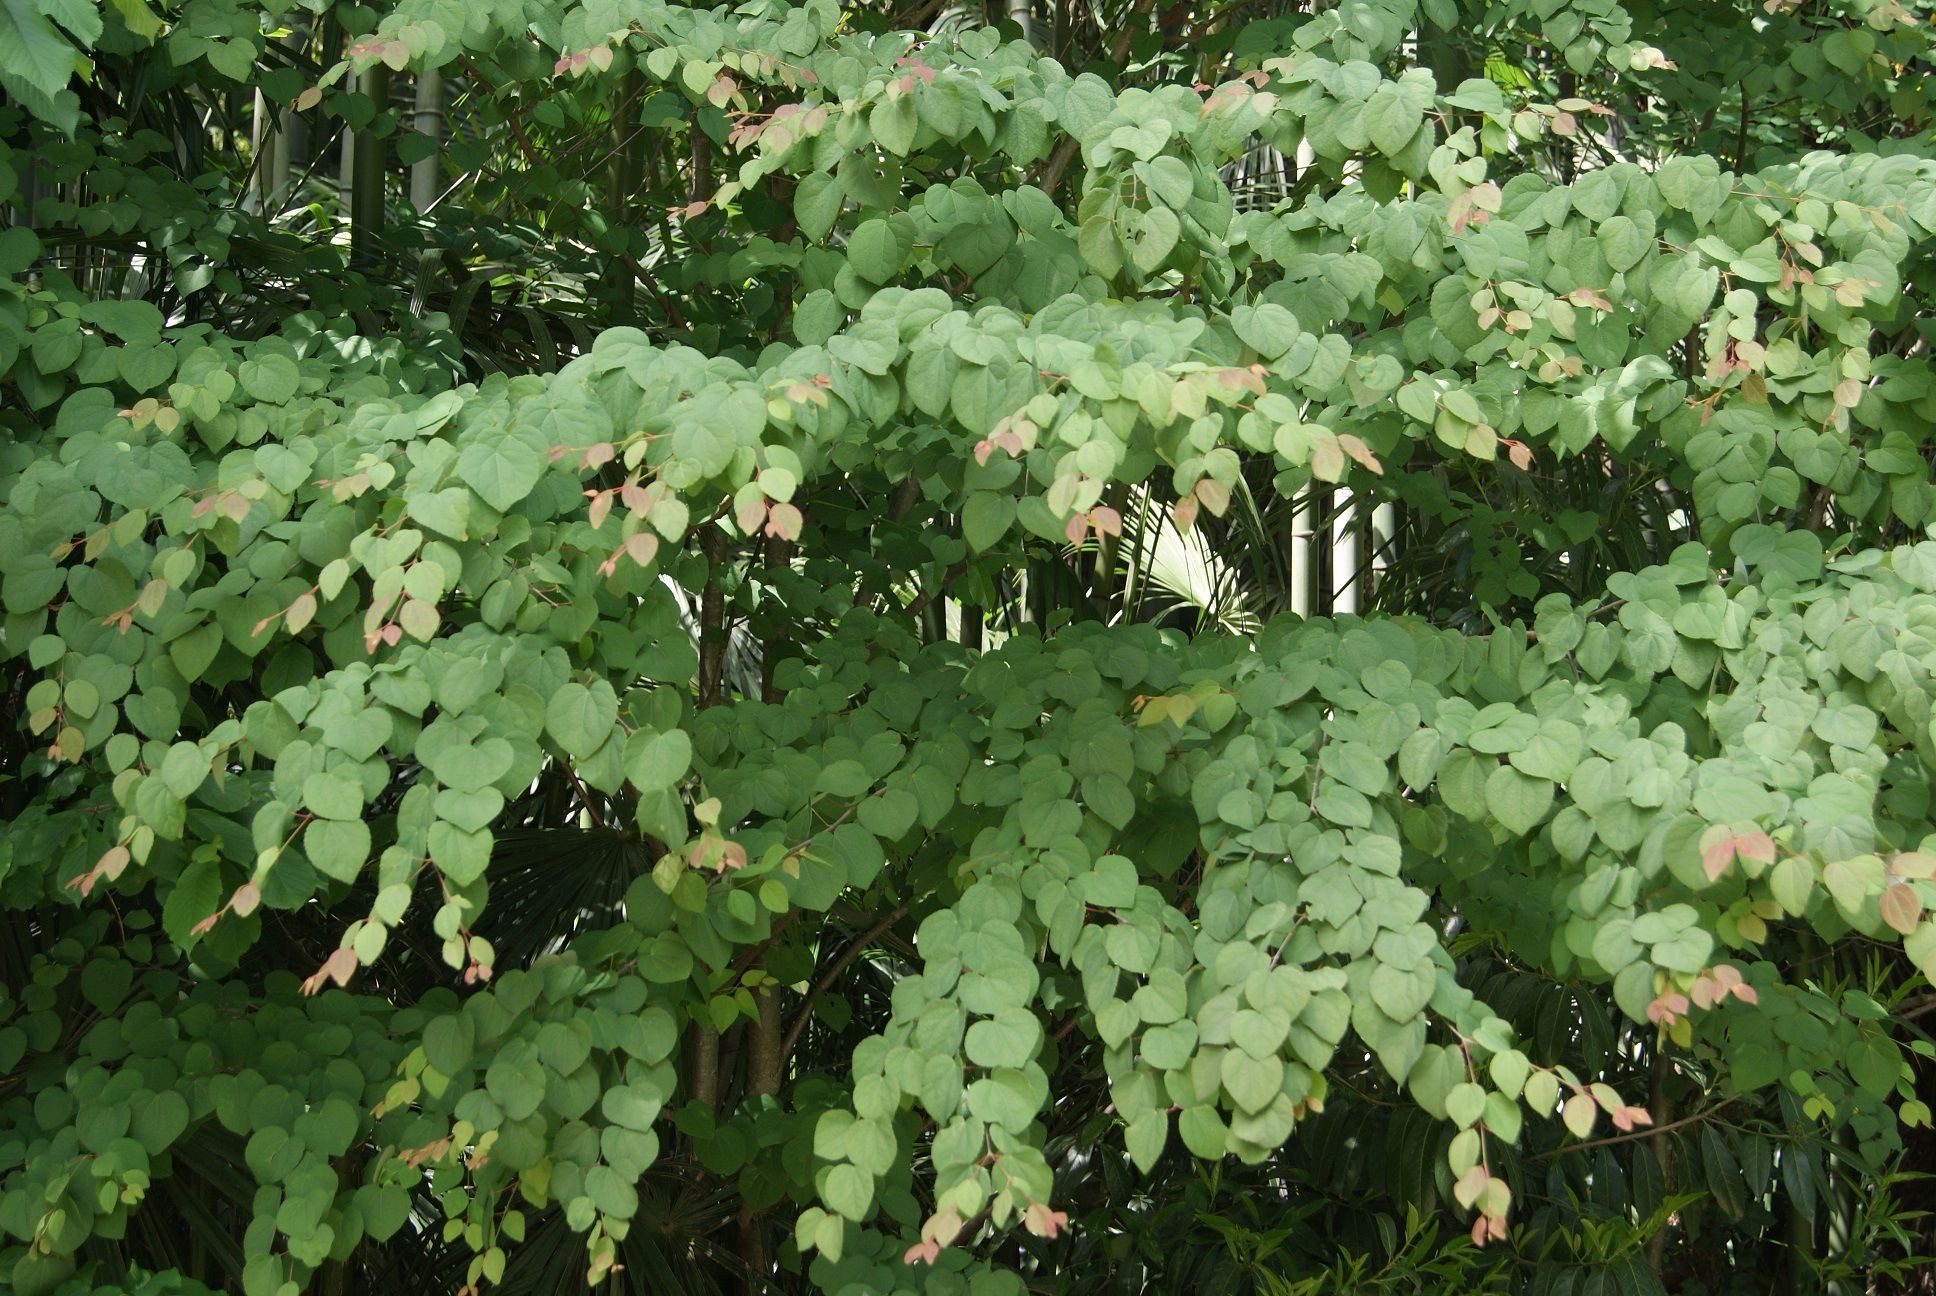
339, 967
642, 547
784, 521
246, 898
1901, 907
309, 98
1716, 857
597, 456
921, 1253
637, 498
113, 860
1043, 1222
1213, 495
1076, 528
300, 613
1360, 453
1667, 1008
206, 925
601, 508
1521, 455
1327, 460
983, 448
391, 634
1757, 846
750, 515
1913, 864
1184, 513
1106, 520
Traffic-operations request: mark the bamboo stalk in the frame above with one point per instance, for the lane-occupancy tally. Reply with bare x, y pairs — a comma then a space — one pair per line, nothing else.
426, 172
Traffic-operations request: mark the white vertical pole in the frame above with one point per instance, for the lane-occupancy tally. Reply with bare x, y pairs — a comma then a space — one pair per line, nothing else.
1301, 555
1344, 556
1384, 525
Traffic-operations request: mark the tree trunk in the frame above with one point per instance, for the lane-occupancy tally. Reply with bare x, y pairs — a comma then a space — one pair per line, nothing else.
764, 1065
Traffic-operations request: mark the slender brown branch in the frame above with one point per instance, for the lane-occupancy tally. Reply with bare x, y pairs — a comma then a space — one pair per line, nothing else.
832, 974
920, 604
645, 277
712, 621
1652, 1132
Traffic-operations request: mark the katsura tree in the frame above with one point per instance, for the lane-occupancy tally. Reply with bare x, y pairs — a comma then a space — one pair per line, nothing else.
581, 713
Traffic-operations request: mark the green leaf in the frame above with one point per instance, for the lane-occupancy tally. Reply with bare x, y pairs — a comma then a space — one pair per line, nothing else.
337, 848
657, 761
502, 465
893, 122
447, 1043
1518, 801
1155, 237
816, 203
1390, 119
332, 796
158, 1120
194, 897
1251, 1082
848, 1191
515, 1080
270, 378
1144, 1138
581, 718
877, 250
889, 814
986, 518
35, 57
1007, 1039
1203, 1131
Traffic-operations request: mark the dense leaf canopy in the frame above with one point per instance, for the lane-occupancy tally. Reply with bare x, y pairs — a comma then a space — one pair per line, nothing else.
594, 694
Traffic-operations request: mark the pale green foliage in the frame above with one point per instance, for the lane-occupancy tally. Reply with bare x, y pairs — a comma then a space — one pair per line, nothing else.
300, 617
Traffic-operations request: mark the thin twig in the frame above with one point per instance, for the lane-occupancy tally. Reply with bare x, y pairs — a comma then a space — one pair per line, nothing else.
1652, 1132
832, 974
